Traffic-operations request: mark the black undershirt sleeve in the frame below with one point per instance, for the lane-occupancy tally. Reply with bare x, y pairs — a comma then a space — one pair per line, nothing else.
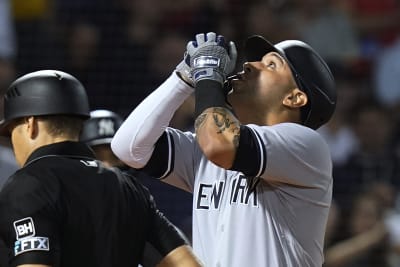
248, 154
159, 161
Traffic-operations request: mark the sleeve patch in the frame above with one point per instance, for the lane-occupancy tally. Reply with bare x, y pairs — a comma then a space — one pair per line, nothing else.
24, 228
33, 243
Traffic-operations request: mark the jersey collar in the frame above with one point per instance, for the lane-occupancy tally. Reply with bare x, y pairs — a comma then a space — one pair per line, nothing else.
63, 149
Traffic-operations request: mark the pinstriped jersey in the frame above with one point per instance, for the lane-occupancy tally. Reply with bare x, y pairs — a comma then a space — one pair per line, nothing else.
276, 218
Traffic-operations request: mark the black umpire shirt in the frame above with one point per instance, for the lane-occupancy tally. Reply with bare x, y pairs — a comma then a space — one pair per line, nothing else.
64, 208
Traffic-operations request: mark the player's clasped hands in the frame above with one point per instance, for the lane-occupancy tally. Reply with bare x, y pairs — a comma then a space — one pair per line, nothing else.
210, 57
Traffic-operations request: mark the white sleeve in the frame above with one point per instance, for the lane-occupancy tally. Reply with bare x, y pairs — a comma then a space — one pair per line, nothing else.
134, 141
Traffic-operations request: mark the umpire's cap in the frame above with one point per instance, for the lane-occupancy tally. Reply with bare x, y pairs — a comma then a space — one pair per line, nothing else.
100, 128
311, 73
44, 92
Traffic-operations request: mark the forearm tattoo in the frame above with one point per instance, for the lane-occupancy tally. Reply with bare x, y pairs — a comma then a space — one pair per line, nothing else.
199, 121
223, 120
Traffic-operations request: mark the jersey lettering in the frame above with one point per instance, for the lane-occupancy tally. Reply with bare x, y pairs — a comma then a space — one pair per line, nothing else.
242, 191
214, 197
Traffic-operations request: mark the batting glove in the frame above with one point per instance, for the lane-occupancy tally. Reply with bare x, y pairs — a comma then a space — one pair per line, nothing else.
210, 58
183, 70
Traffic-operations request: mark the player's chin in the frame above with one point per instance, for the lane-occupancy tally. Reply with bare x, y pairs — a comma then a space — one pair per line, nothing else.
237, 86
231, 99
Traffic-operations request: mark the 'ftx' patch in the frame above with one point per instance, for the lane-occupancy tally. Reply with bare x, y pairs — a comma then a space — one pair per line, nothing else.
34, 243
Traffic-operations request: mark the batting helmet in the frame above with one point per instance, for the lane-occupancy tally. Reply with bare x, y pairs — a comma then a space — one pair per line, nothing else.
100, 127
311, 73
44, 92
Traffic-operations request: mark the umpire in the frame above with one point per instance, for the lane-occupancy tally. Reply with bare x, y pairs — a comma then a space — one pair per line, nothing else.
63, 207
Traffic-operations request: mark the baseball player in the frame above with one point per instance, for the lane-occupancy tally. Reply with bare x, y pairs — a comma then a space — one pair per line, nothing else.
259, 172
98, 131
64, 207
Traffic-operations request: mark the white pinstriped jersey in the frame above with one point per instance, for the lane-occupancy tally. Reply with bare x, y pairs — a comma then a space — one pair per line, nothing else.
276, 219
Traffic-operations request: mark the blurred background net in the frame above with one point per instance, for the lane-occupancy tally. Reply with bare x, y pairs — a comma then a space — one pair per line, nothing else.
123, 49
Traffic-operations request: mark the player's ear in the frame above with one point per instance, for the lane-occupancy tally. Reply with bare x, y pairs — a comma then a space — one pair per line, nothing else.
32, 128
295, 98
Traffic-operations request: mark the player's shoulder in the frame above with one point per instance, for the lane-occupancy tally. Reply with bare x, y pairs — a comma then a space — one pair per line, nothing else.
290, 133
288, 129
181, 133
300, 130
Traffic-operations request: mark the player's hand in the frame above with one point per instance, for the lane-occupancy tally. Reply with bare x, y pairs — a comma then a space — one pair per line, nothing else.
211, 58
183, 70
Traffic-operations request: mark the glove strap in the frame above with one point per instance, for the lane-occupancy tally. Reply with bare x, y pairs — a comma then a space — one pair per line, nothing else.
206, 67
208, 93
184, 79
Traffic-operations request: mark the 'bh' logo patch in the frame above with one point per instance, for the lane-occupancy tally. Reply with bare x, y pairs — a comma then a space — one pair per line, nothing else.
24, 228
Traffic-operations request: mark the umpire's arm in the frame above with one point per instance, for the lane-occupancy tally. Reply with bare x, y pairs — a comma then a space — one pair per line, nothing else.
169, 241
180, 257
33, 265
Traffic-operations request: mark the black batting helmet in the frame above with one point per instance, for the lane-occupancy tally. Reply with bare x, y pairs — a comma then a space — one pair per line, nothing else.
311, 73
44, 92
100, 128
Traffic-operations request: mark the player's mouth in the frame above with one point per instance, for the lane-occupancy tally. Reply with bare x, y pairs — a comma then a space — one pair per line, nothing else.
237, 76
232, 79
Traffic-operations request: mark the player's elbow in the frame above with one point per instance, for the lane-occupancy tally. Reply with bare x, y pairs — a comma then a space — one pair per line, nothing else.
124, 153
118, 148
221, 154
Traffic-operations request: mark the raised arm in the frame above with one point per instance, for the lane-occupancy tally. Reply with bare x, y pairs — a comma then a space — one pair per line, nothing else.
134, 141
217, 129
218, 133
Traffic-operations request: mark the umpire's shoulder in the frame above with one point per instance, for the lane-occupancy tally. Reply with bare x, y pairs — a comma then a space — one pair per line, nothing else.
132, 178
